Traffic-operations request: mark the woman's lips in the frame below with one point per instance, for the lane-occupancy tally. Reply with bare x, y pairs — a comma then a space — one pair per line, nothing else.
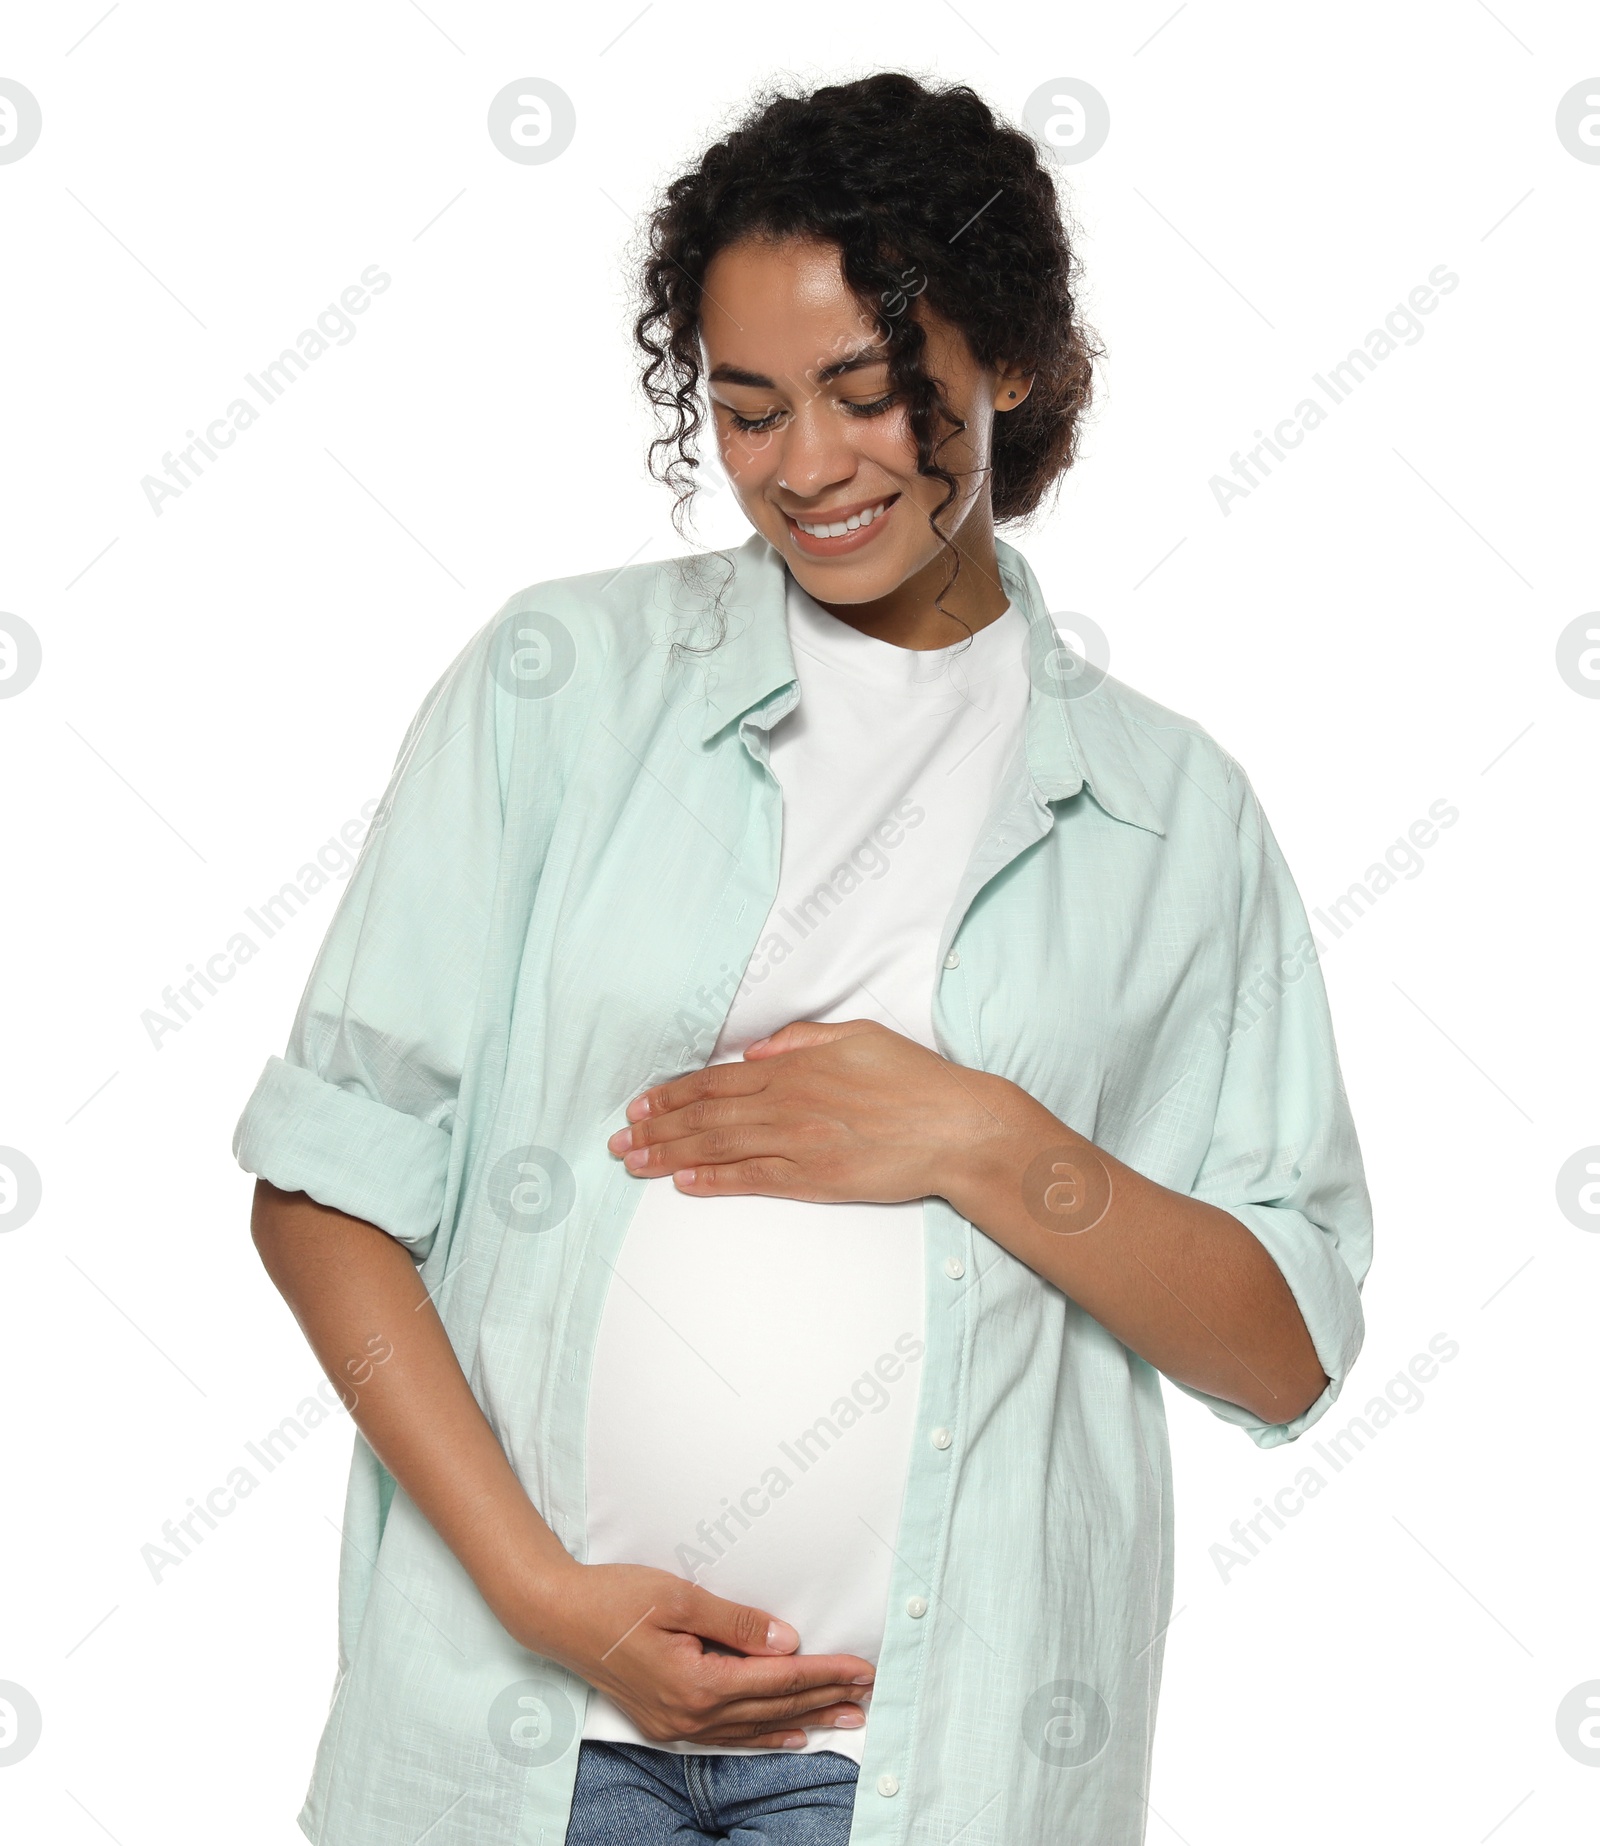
816, 547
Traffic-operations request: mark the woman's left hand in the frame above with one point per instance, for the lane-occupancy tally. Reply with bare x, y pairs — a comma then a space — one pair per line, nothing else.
820, 1112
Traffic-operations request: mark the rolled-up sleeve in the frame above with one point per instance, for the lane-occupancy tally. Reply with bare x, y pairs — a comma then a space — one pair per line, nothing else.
359, 1110
1284, 1157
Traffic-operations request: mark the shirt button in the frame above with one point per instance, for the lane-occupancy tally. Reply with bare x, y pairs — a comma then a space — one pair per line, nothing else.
941, 1437
952, 960
954, 1268
888, 1785
916, 1607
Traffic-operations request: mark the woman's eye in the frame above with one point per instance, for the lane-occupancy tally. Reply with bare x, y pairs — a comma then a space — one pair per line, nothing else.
870, 407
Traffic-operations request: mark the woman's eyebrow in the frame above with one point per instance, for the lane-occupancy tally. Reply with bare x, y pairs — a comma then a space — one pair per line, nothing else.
852, 362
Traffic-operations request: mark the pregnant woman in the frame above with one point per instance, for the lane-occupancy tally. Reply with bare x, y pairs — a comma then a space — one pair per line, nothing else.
801, 1052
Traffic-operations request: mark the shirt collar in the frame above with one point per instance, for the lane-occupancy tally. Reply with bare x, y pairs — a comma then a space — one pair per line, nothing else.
1073, 741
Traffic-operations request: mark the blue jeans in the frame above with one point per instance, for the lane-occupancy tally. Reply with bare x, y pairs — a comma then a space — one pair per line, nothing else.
627, 1795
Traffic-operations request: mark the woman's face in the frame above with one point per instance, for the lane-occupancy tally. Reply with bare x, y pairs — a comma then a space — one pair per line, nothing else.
809, 435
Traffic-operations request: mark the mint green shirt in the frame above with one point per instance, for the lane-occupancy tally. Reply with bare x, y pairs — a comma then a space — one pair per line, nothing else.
560, 891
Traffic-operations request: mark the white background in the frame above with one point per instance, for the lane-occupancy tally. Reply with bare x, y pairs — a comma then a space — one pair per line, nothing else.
224, 685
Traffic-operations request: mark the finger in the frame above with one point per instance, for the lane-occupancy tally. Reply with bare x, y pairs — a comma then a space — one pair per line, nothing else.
802, 1708
693, 1117
694, 1086
768, 1740
800, 1033
776, 1676
767, 1664
766, 1176
785, 1738
755, 1632
711, 1147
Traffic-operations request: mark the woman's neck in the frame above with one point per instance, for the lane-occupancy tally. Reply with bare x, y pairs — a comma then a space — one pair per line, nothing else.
908, 617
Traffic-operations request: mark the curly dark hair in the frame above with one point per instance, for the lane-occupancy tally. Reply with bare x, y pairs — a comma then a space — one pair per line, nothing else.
925, 193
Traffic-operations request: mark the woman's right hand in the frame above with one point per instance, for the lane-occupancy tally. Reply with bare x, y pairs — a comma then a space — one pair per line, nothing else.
636, 1635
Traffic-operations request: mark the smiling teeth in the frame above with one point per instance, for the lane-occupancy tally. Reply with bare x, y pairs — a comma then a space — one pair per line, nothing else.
841, 526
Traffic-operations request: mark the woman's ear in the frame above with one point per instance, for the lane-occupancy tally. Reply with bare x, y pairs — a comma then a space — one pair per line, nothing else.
1011, 388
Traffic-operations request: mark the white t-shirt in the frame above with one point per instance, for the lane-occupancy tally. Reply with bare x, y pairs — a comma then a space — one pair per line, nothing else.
754, 1390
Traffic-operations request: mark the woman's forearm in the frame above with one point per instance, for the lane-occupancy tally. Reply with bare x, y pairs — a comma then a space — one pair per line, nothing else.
362, 1306
1183, 1283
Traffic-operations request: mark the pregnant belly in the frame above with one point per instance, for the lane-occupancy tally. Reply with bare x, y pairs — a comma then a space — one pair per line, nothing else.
751, 1409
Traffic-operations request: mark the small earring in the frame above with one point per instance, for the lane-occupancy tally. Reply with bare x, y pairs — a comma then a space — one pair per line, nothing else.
1011, 394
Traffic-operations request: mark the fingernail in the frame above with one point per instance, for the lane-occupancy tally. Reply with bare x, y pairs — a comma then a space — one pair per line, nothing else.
636, 1158
796, 1740
862, 1679
638, 1109
621, 1141
756, 1043
685, 1176
782, 1638
849, 1720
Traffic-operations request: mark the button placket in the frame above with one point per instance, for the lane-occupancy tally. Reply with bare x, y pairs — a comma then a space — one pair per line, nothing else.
897, 1731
